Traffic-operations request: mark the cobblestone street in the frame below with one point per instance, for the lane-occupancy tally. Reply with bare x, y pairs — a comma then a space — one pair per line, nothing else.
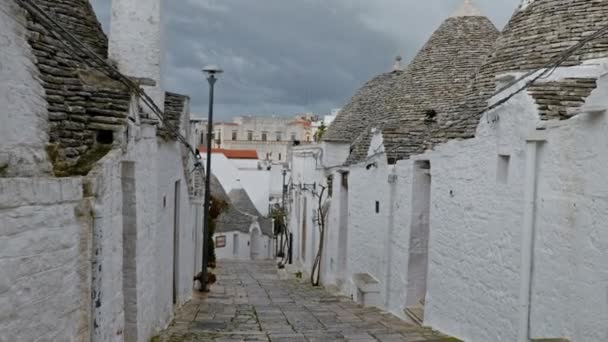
250, 303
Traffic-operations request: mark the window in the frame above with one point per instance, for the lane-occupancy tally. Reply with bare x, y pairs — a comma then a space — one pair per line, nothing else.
293, 137
234, 135
502, 170
279, 137
377, 207
279, 156
250, 135
203, 142
264, 136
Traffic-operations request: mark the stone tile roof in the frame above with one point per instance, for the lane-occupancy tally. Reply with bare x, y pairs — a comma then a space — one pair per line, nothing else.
368, 102
85, 107
217, 190
435, 83
232, 220
175, 105
242, 201
545, 28
241, 212
535, 36
560, 99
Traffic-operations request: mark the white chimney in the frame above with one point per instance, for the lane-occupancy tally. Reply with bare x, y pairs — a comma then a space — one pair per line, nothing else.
136, 44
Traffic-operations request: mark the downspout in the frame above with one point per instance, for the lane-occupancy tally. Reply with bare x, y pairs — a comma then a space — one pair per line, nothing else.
528, 236
392, 181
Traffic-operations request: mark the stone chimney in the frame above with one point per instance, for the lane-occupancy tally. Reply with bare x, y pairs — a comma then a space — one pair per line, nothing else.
136, 44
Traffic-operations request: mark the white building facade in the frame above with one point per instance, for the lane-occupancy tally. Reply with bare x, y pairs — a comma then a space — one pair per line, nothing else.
99, 222
488, 227
271, 137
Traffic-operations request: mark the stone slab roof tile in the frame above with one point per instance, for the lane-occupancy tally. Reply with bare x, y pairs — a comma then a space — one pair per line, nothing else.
175, 105
536, 35
435, 82
369, 101
242, 201
85, 107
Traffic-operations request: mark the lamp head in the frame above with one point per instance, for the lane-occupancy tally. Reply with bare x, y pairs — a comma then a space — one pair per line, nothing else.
212, 70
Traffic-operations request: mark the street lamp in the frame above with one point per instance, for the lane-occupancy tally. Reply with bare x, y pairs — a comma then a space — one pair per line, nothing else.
212, 73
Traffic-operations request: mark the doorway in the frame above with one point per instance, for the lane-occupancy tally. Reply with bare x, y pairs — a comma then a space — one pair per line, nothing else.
235, 245
304, 221
419, 241
255, 243
343, 225
176, 211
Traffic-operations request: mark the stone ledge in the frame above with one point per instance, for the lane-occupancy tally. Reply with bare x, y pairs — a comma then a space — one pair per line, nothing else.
17, 192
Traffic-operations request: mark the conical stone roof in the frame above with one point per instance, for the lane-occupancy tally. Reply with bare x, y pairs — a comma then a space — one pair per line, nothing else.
536, 34
368, 102
435, 83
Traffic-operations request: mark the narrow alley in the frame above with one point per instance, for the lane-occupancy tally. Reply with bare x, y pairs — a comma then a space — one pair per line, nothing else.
250, 302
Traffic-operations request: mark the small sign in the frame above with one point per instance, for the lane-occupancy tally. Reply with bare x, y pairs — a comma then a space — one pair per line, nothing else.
220, 241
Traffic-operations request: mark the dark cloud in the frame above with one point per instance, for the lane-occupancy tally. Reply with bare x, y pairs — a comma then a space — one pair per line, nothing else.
286, 56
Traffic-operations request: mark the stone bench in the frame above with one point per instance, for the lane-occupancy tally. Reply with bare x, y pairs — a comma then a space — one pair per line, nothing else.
368, 289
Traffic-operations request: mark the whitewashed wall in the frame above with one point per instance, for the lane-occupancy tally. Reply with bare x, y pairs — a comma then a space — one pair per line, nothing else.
243, 249
24, 129
151, 292
44, 260
169, 171
368, 229
476, 228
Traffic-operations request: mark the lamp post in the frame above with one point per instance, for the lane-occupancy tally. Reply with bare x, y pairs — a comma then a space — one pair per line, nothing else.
212, 72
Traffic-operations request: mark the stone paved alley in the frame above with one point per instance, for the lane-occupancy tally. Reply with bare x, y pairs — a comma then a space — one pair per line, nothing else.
250, 303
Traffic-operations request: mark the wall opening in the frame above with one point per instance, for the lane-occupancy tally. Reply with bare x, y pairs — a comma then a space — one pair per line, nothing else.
129, 250
255, 243
377, 207
304, 222
105, 137
343, 224
419, 240
176, 210
502, 169
235, 244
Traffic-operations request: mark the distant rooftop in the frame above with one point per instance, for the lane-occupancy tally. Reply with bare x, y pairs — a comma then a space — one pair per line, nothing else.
232, 154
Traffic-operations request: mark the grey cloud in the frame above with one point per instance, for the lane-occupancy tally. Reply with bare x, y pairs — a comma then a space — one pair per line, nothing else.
282, 57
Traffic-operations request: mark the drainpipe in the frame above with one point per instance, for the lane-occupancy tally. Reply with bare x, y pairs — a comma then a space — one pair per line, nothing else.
392, 182
528, 235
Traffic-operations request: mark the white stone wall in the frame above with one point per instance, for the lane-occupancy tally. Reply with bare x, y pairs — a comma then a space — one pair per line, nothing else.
476, 218
23, 107
44, 252
155, 195
169, 162
243, 246
136, 43
368, 229
306, 171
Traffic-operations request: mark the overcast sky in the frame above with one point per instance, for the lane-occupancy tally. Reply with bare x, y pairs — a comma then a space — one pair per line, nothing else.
288, 56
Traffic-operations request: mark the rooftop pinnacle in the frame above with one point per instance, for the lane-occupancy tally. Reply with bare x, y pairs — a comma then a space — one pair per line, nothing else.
467, 9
